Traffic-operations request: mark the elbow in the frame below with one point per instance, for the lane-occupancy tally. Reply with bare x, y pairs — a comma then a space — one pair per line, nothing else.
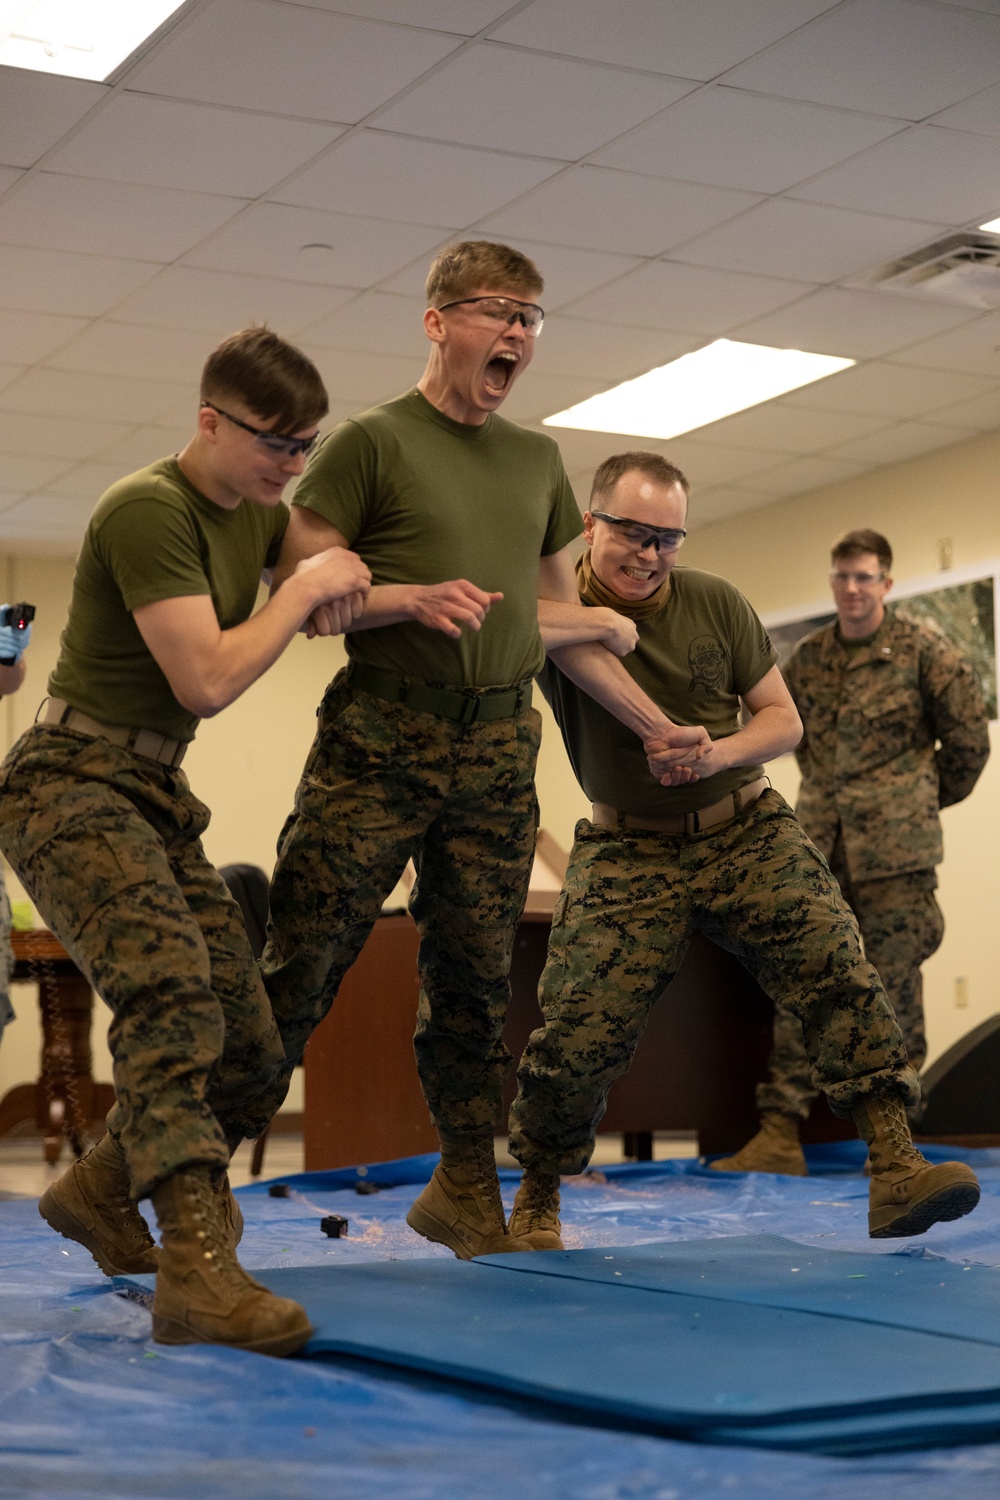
200, 700
794, 736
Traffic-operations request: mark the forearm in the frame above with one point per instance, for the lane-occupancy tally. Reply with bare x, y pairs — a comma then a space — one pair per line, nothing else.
564, 624
602, 676
223, 670
772, 731
12, 676
387, 604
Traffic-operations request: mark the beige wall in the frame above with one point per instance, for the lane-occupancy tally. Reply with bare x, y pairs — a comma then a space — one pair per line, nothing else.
779, 556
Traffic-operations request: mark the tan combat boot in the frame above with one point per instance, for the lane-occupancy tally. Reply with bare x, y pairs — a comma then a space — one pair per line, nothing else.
534, 1219
460, 1207
203, 1295
91, 1203
906, 1194
775, 1148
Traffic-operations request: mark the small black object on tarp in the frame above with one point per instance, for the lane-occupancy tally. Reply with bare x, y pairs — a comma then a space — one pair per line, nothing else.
279, 1190
365, 1189
334, 1225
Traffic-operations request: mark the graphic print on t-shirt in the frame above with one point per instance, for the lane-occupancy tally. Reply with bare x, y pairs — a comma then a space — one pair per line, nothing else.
707, 664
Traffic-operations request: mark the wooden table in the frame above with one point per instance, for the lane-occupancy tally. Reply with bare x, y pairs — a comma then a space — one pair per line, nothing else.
696, 1068
65, 1100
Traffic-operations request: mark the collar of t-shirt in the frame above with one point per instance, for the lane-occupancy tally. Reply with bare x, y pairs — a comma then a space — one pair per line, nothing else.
593, 591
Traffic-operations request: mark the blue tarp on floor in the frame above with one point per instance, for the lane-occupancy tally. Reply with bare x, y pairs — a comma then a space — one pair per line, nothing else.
89, 1406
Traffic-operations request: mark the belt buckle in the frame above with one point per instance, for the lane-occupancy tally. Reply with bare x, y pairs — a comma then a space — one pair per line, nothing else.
470, 709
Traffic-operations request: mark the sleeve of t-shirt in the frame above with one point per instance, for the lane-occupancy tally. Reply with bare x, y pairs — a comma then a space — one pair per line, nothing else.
753, 655
565, 521
340, 482
151, 551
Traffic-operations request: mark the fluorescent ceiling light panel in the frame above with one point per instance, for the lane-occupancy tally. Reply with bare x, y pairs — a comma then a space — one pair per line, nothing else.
702, 387
993, 227
77, 38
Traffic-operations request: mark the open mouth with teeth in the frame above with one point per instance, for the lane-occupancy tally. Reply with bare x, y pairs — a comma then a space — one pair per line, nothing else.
500, 372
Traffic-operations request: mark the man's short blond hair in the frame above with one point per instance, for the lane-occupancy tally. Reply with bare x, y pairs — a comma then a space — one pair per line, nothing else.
472, 265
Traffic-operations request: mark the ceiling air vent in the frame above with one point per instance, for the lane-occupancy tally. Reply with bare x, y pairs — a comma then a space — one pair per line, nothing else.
964, 268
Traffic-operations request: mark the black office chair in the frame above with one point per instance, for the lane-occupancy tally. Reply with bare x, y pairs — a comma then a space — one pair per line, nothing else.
249, 886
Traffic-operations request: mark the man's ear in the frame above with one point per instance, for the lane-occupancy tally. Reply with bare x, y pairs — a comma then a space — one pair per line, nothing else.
434, 325
208, 424
588, 528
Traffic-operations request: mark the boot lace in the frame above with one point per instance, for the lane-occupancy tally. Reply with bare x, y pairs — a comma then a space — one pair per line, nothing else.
208, 1215
537, 1197
897, 1130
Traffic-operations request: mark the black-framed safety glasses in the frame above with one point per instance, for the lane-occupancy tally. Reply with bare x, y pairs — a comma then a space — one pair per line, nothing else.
638, 534
276, 443
506, 310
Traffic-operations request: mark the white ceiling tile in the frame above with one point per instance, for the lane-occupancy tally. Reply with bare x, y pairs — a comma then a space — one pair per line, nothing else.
36, 109
520, 101
46, 512
107, 348
423, 182
268, 239
583, 451
738, 140
86, 482
104, 397
376, 323
110, 218
891, 390
217, 302
50, 282
895, 444
465, 17
806, 241
857, 325
980, 412
710, 463
567, 273
22, 472
361, 380
974, 348
607, 351
980, 114
26, 337
788, 429
144, 445
8, 177
537, 395
948, 175
289, 59
689, 38
162, 143
890, 57
667, 294
992, 7
604, 209
709, 506
56, 436
803, 474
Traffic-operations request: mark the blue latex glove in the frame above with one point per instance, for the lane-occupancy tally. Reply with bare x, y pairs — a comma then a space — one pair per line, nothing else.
12, 642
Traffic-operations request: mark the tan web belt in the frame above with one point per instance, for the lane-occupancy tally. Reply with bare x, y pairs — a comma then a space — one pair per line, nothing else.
145, 742
727, 807
472, 707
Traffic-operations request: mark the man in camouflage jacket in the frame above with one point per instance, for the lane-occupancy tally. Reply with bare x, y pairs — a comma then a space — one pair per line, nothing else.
894, 730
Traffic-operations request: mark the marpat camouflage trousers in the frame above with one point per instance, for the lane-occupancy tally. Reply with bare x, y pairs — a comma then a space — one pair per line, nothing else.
902, 925
757, 887
108, 844
382, 783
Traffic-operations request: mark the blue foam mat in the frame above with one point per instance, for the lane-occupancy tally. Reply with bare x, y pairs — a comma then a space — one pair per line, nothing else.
90, 1408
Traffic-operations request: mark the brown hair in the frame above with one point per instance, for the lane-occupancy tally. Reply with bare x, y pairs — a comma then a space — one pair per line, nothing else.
619, 464
271, 377
864, 540
461, 269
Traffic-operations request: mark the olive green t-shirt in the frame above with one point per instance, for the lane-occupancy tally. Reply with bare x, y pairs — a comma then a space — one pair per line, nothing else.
154, 536
424, 499
696, 658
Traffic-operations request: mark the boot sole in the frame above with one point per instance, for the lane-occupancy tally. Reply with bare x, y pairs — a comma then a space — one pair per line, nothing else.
169, 1331
938, 1208
64, 1222
438, 1233
539, 1239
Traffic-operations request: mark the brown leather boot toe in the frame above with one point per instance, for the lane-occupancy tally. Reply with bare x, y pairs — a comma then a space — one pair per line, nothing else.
461, 1206
91, 1203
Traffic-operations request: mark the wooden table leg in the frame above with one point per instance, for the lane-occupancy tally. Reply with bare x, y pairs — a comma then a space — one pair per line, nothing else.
66, 1084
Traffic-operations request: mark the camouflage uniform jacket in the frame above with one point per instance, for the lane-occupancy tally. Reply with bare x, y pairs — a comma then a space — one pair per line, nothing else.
892, 732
